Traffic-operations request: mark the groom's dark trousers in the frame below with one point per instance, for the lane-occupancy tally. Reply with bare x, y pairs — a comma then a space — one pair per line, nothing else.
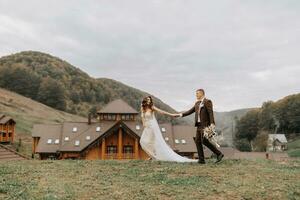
200, 140
204, 111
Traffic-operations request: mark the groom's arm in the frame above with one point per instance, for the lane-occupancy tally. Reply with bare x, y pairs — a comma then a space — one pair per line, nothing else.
209, 107
190, 111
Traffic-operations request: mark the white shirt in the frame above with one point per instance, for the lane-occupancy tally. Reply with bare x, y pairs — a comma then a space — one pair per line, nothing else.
199, 120
199, 109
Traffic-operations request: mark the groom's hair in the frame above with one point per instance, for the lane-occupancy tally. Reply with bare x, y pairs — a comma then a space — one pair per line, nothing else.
201, 90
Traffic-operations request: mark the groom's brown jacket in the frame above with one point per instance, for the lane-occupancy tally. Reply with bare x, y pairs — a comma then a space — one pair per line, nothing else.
206, 113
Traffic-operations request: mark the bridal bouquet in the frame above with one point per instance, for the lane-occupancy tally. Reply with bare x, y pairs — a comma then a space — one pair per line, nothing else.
210, 133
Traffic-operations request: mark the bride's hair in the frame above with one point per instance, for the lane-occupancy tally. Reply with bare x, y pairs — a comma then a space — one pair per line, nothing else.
146, 105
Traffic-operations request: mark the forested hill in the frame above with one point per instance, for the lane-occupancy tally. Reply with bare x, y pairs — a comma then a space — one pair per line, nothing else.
58, 84
282, 116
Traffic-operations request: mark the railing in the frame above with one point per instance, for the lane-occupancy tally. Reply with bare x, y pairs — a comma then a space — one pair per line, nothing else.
12, 150
7, 129
116, 156
5, 139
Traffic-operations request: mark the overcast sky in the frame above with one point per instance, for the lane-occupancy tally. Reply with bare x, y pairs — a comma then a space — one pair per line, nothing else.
242, 52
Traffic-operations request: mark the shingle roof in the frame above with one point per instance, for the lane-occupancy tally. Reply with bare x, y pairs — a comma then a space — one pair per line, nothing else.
83, 130
280, 137
52, 132
118, 107
4, 119
184, 132
60, 131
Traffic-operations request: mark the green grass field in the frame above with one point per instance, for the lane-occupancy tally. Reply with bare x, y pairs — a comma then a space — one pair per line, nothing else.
79, 179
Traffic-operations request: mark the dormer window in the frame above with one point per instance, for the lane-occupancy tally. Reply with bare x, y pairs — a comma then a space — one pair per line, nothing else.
166, 138
74, 129
183, 141
56, 141
163, 129
176, 141
67, 138
98, 129
137, 127
88, 137
49, 141
77, 142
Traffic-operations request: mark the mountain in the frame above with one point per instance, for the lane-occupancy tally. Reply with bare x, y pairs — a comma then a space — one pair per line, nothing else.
225, 124
60, 85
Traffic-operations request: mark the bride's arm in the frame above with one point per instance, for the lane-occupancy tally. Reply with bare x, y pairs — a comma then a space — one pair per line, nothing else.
163, 112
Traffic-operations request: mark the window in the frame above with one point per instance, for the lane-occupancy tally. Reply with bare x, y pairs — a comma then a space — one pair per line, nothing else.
4, 134
137, 127
176, 141
123, 117
49, 141
128, 149
77, 142
183, 141
98, 129
111, 117
163, 129
74, 129
67, 138
56, 141
111, 149
166, 138
88, 137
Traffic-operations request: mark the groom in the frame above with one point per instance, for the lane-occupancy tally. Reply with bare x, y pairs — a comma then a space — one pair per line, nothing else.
204, 117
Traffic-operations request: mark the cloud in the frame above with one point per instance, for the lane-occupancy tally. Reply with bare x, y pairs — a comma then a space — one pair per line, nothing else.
237, 50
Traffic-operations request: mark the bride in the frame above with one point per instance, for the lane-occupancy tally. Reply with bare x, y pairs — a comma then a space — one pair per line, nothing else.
152, 140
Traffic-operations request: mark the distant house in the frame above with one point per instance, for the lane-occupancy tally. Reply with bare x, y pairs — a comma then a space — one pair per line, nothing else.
7, 129
115, 135
277, 142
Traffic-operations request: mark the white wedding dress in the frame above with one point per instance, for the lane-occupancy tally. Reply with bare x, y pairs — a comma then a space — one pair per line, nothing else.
154, 144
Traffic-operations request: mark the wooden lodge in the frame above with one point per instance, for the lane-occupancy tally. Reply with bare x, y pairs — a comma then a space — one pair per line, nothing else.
7, 129
115, 135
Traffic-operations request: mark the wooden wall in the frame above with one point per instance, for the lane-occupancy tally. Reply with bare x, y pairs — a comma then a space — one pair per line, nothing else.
8, 130
96, 152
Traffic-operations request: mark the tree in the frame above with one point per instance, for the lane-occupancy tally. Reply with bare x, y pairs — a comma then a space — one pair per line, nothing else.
75, 97
93, 110
52, 94
247, 127
20, 80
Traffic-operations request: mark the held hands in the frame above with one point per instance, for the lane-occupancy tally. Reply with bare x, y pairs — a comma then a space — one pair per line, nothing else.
176, 115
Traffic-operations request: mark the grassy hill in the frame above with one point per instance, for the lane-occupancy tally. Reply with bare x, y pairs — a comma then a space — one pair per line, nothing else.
294, 148
27, 112
57, 83
80, 179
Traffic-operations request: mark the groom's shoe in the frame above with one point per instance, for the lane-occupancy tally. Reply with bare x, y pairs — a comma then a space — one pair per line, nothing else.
219, 158
201, 161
